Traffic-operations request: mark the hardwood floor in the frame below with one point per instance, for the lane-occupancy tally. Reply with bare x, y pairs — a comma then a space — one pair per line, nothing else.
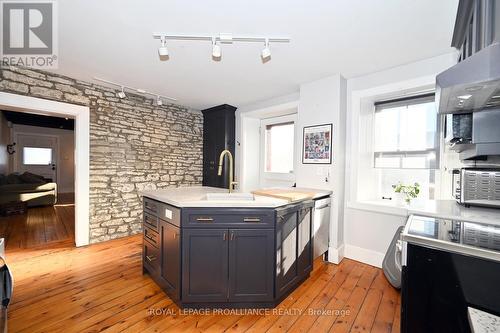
41, 226
101, 288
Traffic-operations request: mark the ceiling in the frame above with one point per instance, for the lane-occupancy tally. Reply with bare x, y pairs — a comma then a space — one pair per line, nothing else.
112, 39
24, 118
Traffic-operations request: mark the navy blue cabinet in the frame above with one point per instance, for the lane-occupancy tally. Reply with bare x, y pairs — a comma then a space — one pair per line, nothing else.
287, 273
227, 257
204, 265
170, 258
251, 254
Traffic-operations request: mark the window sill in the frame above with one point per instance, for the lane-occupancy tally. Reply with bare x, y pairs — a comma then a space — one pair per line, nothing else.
379, 206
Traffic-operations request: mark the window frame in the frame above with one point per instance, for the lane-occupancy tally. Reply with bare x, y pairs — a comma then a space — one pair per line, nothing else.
281, 176
407, 101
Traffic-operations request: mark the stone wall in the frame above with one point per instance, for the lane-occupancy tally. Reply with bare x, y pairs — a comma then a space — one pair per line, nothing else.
134, 145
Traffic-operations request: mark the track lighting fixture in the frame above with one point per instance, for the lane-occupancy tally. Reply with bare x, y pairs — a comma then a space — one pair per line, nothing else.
162, 50
216, 49
222, 38
121, 94
266, 51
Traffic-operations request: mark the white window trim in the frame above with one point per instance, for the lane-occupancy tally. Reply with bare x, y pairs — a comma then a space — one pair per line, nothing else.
360, 99
276, 175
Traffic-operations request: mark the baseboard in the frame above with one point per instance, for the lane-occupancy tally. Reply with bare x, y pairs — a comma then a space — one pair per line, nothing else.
366, 256
335, 255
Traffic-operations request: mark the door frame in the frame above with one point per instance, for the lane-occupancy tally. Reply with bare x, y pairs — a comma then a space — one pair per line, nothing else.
81, 114
16, 156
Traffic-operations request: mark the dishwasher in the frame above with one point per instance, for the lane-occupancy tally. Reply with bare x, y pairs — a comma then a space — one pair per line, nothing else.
321, 226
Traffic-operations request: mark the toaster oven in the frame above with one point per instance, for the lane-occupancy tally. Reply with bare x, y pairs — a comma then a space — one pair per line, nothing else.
477, 187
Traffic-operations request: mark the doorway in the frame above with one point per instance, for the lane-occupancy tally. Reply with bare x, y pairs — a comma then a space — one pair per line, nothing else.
81, 116
37, 208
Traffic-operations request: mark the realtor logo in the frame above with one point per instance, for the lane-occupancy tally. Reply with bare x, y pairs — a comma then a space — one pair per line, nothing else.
29, 36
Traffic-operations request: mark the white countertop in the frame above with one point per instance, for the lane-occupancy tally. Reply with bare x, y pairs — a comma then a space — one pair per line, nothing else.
445, 209
196, 197
451, 210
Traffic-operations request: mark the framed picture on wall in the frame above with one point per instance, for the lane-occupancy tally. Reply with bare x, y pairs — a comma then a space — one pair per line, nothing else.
317, 144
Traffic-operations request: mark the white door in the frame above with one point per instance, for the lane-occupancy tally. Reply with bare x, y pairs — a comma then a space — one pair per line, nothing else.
37, 154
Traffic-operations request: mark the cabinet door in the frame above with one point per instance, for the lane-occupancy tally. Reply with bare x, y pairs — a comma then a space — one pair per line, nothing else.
171, 257
204, 265
286, 252
251, 258
305, 240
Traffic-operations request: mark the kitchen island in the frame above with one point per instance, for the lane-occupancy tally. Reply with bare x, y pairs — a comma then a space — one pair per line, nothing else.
208, 248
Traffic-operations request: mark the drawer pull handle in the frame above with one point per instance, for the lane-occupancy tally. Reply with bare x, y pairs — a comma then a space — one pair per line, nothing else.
251, 219
175, 236
150, 206
224, 237
232, 236
151, 258
151, 239
204, 219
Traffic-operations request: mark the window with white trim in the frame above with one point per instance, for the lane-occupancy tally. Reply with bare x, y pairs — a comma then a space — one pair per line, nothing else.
406, 145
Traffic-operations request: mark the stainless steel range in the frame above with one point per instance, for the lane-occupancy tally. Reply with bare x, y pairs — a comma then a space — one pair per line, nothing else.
451, 270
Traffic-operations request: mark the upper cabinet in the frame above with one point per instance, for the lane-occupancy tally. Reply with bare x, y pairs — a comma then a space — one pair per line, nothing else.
218, 134
476, 26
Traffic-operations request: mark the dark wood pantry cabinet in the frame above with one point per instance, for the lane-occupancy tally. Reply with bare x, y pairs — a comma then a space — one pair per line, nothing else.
227, 257
218, 134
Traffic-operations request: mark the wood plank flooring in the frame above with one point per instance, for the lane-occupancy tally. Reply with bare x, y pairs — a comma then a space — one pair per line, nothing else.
101, 288
41, 226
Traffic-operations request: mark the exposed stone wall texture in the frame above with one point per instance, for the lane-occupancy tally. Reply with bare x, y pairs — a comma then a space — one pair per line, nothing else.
134, 145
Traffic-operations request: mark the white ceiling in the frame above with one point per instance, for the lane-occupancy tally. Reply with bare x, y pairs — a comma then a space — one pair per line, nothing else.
112, 39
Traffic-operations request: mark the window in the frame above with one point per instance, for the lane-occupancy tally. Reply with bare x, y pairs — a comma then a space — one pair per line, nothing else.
279, 147
406, 144
407, 134
37, 156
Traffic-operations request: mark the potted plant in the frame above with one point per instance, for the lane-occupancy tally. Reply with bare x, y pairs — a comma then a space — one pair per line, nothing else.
409, 192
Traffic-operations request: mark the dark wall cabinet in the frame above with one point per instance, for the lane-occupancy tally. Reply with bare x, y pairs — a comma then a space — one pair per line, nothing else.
218, 134
230, 257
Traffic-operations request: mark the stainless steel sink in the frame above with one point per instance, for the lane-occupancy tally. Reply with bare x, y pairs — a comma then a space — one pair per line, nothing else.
230, 197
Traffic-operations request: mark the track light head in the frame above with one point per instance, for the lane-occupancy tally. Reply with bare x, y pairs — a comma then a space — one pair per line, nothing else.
162, 50
216, 50
121, 93
266, 51
159, 102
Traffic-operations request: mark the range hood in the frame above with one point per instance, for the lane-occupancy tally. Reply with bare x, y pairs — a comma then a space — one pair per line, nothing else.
471, 85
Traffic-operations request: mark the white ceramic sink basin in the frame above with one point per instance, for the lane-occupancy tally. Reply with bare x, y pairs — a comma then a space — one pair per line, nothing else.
230, 197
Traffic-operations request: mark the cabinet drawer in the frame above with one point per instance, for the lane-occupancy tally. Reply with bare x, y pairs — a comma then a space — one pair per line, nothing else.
151, 236
150, 221
151, 258
229, 217
151, 206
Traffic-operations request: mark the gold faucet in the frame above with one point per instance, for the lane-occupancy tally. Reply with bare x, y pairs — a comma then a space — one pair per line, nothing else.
219, 173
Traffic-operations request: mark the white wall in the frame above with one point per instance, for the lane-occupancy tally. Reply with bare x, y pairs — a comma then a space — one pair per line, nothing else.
319, 102
323, 102
368, 232
4, 141
66, 158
